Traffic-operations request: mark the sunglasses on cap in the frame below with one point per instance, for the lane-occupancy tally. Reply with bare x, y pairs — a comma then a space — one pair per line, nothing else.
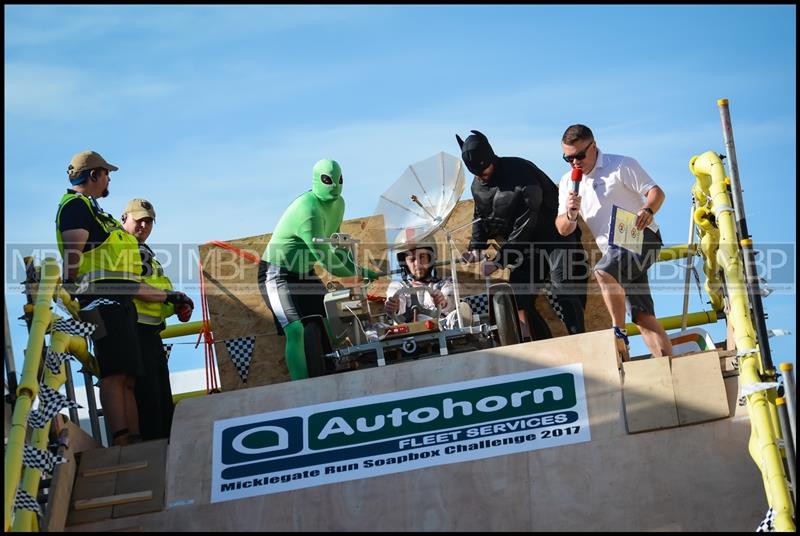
577, 156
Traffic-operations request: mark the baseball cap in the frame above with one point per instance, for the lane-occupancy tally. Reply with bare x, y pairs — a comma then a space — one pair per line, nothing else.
140, 208
84, 161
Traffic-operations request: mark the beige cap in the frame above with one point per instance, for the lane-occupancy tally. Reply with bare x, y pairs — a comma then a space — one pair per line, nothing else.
87, 160
140, 208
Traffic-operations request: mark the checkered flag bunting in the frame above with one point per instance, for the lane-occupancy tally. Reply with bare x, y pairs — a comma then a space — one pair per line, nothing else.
768, 523
552, 299
54, 359
24, 501
98, 302
167, 350
479, 303
41, 459
50, 403
241, 350
74, 327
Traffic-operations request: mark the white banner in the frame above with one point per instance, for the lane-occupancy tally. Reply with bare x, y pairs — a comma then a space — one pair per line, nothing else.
400, 431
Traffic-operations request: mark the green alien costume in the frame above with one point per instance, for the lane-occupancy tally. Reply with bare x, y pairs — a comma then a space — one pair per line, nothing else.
286, 274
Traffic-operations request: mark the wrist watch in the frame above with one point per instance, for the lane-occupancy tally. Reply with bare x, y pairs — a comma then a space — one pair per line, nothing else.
650, 210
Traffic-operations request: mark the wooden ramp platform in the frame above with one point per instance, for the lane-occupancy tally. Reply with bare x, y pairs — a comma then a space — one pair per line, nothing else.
657, 450
118, 483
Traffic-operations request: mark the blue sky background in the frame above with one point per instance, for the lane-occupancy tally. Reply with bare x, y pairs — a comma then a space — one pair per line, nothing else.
217, 114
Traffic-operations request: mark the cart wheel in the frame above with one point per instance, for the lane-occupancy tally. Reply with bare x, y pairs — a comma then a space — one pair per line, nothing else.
315, 337
503, 312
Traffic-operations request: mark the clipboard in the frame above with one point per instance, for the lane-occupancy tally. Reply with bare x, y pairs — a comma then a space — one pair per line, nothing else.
623, 232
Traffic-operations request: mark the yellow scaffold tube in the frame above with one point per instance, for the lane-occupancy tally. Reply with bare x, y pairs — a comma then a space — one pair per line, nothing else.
699, 318
709, 245
29, 384
763, 444
179, 330
25, 520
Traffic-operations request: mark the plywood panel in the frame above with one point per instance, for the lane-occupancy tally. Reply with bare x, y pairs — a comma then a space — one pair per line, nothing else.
58, 501
668, 479
237, 308
189, 457
700, 393
649, 395
149, 478
96, 486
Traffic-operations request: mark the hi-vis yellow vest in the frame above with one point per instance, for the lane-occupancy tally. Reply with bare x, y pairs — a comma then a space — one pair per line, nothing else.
116, 258
154, 313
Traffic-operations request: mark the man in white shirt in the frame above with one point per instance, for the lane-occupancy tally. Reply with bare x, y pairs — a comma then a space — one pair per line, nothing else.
609, 180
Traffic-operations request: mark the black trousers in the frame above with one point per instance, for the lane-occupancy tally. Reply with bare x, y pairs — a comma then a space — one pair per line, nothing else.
565, 264
153, 390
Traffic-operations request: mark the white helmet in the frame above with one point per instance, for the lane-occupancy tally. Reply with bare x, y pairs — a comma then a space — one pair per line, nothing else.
405, 249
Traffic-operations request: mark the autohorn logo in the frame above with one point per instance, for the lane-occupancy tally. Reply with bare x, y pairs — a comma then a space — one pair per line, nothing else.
262, 440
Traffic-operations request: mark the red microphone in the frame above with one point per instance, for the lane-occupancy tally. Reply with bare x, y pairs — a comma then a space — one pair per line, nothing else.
577, 175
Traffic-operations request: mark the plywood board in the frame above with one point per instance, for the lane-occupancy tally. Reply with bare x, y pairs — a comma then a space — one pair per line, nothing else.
675, 475
649, 395
148, 478
60, 493
237, 308
97, 486
700, 393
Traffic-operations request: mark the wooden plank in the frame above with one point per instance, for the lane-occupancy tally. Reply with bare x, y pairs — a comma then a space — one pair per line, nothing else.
114, 469
111, 500
700, 393
99, 486
58, 499
648, 395
237, 308
150, 477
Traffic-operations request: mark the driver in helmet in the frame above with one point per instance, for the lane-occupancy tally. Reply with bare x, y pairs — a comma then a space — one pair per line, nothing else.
417, 271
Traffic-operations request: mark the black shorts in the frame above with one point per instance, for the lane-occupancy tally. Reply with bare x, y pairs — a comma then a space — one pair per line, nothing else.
290, 296
117, 350
630, 271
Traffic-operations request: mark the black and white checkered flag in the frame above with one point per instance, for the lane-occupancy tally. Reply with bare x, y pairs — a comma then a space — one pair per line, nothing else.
50, 403
167, 350
479, 303
768, 523
98, 302
241, 350
24, 501
54, 359
74, 327
41, 459
553, 301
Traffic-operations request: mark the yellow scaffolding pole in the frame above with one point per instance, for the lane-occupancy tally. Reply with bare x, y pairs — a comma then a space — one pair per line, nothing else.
699, 318
763, 446
29, 384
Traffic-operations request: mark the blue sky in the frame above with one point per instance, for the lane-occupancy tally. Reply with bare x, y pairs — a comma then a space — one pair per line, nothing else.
216, 114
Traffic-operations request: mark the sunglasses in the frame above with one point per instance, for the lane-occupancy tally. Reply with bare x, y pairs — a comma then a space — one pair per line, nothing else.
577, 156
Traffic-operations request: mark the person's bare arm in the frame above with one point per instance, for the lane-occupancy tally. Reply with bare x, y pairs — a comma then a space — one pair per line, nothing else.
566, 223
74, 241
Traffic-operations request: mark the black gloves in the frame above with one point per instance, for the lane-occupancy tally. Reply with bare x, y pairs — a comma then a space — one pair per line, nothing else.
178, 299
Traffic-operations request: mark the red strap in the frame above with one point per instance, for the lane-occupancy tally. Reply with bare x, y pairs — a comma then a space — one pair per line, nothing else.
246, 254
211, 373
208, 338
